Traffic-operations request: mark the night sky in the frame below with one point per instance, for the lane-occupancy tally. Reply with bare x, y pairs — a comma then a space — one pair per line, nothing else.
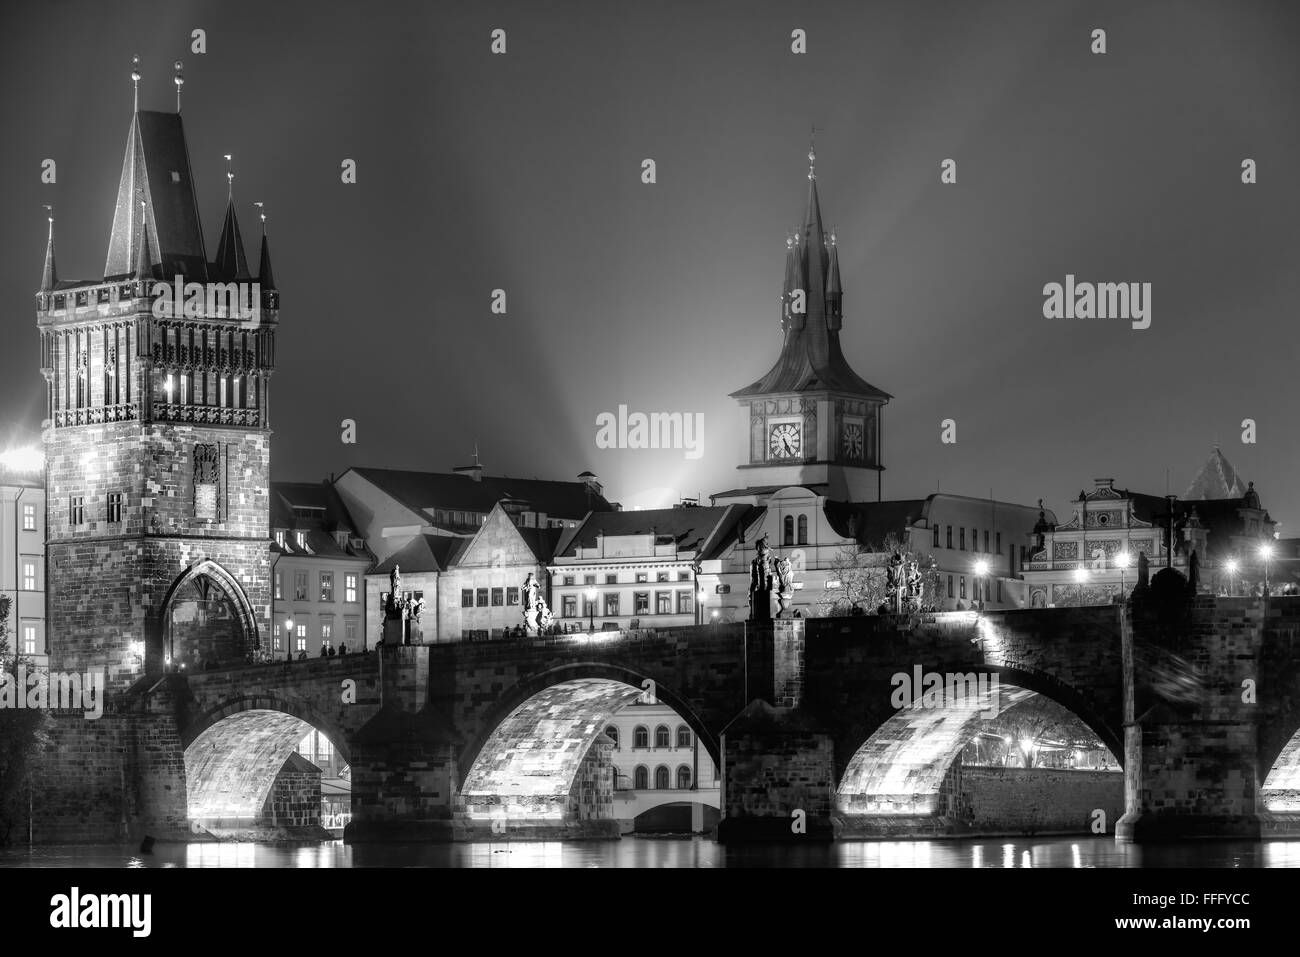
522, 172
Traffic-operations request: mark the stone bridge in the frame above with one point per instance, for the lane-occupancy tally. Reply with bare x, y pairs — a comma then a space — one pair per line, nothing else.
472, 739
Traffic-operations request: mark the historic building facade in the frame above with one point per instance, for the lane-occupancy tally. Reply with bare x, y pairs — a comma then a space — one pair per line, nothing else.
158, 441
319, 565
663, 779
22, 559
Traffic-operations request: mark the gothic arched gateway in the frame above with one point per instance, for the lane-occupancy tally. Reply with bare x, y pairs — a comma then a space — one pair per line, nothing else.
206, 620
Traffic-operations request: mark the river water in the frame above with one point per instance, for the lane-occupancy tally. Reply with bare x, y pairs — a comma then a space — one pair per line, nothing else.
677, 852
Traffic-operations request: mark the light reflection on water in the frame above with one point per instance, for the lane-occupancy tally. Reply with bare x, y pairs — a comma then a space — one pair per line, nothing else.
683, 852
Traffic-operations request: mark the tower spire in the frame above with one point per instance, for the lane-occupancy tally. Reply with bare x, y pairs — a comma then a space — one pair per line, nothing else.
180, 82
50, 274
231, 260
144, 258
135, 82
264, 277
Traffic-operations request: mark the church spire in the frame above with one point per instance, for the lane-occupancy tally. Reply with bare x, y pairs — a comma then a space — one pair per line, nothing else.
264, 277
144, 258
50, 274
231, 262
834, 294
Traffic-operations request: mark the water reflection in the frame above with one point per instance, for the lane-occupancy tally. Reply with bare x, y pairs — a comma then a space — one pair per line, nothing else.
684, 852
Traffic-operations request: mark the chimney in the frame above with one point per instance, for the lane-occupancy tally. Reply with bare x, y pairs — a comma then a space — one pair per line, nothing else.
589, 479
474, 471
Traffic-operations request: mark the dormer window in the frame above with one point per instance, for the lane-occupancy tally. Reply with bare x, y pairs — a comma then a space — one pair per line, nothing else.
301, 539
279, 537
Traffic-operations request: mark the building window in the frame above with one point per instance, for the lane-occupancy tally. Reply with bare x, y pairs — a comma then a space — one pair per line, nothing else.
641, 603
683, 778
29, 639
998, 540
662, 738
300, 643
300, 586
569, 607
588, 606
115, 506
974, 540
467, 598
327, 631
803, 529
301, 539
661, 778
481, 597
350, 631
29, 574
684, 606
568, 579
788, 535
663, 603
641, 778
589, 579
498, 597
611, 579
76, 510
661, 576
986, 540
275, 638
641, 737
326, 586
961, 584
999, 590
279, 586
1022, 556
29, 518
612, 733
950, 536
950, 586
512, 596
961, 532
683, 736
641, 578
611, 604
350, 588
683, 576
279, 537
936, 536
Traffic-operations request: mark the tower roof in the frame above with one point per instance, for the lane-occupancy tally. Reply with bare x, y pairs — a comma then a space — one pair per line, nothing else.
231, 262
156, 167
264, 277
811, 358
50, 274
1216, 479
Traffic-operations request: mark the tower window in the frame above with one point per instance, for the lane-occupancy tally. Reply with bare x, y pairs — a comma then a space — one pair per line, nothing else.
950, 536
936, 536
115, 506
77, 510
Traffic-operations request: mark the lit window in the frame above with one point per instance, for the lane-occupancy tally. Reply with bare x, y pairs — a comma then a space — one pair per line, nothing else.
641, 578
611, 604
961, 584
29, 518
29, 639
641, 603
684, 603
512, 596
279, 587
326, 586
498, 597
661, 577
568, 579
301, 538
279, 537
350, 587
568, 607
29, 575
663, 603
327, 631
300, 586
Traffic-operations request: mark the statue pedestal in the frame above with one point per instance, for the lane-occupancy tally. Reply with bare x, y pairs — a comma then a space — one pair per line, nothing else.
760, 604
394, 631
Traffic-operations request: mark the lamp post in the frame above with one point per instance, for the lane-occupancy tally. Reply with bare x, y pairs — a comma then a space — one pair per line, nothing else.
1266, 553
591, 608
288, 639
1122, 561
1081, 576
700, 596
1230, 566
981, 571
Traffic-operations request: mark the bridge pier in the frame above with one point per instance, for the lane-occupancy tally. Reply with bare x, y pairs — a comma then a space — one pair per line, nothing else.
1190, 727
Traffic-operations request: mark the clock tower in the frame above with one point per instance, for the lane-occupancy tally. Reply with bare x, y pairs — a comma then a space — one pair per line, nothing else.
811, 420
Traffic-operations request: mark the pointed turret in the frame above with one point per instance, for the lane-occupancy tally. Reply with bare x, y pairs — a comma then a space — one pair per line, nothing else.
50, 274
231, 262
144, 256
1216, 479
265, 279
834, 294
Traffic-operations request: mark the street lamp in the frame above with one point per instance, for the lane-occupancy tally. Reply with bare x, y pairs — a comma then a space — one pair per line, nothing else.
1081, 576
288, 639
591, 608
1122, 562
1266, 552
982, 570
700, 596
1230, 566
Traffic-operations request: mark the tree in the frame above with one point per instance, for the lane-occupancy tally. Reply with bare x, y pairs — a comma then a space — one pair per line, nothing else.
856, 581
22, 738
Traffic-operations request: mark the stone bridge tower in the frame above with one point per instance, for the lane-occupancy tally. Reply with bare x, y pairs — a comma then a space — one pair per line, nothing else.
157, 438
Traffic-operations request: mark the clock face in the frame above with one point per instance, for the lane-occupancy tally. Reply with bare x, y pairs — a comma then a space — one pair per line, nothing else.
853, 441
785, 441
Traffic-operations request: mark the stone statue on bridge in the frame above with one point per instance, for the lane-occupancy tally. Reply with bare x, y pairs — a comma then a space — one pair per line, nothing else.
537, 615
784, 587
760, 583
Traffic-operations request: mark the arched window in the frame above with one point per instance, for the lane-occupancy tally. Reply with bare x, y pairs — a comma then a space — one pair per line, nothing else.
640, 778
803, 529
683, 778
789, 530
612, 733
661, 778
662, 740
683, 736
641, 737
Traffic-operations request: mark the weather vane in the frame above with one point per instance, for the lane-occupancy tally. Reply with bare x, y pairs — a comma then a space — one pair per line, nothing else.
135, 79
230, 177
180, 82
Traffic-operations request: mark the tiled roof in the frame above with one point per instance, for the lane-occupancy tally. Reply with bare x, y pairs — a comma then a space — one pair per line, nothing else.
421, 491
328, 515
688, 528
1217, 479
425, 553
870, 523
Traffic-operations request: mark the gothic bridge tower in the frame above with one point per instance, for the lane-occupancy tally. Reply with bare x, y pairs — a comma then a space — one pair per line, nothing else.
157, 439
812, 420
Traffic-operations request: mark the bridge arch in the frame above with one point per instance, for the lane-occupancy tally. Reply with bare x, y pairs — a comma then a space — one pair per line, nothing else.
205, 616
536, 755
234, 752
901, 766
